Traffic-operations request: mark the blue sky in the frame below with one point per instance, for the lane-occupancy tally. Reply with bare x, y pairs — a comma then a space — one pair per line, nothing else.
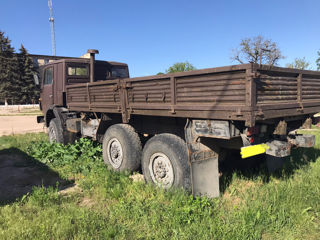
151, 35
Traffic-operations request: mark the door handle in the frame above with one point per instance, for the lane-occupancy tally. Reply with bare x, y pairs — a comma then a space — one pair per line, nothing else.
50, 96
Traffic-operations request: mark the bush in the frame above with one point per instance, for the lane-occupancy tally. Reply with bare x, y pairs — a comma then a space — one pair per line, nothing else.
81, 156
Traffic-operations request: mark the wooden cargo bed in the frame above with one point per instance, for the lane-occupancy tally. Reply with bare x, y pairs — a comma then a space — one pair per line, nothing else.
248, 92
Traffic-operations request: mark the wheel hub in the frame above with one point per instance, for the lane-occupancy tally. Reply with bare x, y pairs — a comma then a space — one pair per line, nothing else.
161, 170
115, 154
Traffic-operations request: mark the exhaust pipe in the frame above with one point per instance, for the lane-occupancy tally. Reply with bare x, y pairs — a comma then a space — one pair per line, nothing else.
92, 53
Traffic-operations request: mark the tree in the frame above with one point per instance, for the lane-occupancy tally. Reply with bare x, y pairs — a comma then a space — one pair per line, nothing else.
318, 61
180, 67
299, 63
9, 87
29, 91
16, 74
257, 50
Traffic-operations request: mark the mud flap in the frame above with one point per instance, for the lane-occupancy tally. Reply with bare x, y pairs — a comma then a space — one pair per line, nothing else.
203, 163
205, 177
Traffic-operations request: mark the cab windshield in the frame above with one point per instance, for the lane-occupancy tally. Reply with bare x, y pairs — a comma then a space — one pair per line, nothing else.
119, 72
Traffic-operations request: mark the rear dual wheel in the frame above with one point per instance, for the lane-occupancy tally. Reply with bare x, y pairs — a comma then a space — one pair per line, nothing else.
122, 148
165, 162
164, 159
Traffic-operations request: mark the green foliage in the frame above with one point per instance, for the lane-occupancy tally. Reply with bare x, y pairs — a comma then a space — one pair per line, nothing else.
16, 74
29, 93
299, 63
79, 157
21, 141
43, 197
9, 77
112, 206
180, 67
257, 50
318, 61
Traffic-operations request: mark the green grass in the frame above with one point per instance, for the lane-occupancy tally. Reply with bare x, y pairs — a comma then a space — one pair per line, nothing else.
21, 141
254, 205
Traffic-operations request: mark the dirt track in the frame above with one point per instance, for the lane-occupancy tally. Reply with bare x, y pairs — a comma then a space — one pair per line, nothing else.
19, 125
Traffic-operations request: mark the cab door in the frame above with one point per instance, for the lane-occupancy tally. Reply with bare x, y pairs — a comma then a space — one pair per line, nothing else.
47, 88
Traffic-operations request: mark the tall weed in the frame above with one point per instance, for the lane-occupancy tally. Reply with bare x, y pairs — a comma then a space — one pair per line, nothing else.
80, 157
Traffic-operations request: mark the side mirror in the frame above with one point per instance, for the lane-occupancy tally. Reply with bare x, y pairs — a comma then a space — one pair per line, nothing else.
36, 79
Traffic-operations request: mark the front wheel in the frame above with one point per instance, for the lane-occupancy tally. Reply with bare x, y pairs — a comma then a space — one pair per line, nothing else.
55, 131
165, 162
58, 135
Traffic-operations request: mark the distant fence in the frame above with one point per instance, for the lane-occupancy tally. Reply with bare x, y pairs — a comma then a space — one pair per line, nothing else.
19, 107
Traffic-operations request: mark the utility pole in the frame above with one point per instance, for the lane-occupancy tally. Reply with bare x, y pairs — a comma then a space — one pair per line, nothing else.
51, 20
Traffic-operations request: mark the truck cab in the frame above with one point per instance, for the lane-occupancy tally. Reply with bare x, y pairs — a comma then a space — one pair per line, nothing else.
57, 75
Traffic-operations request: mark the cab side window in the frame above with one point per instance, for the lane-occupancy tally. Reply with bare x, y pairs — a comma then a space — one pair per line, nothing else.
78, 71
48, 75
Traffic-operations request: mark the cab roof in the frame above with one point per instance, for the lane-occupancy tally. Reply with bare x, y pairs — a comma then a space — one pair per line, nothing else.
84, 60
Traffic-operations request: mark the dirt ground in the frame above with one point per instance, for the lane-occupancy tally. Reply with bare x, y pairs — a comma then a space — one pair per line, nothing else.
19, 124
19, 119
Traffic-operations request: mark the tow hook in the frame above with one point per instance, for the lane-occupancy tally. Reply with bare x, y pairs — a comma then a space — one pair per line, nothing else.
279, 148
306, 141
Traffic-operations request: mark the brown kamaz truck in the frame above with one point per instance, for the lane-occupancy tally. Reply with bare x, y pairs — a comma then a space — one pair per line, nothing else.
178, 127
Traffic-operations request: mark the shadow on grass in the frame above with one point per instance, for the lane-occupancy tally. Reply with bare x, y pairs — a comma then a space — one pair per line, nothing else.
254, 167
19, 173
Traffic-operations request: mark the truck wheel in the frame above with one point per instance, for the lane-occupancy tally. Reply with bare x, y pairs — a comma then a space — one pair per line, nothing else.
122, 148
55, 131
165, 162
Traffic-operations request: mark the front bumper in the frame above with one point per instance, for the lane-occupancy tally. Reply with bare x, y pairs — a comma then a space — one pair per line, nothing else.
40, 119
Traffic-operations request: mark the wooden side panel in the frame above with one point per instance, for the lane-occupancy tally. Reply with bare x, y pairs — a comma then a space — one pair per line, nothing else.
204, 91
77, 95
287, 87
210, 93
97, 95
149, 92
211, 89
310, 88
104, 95
277, 88
283, 92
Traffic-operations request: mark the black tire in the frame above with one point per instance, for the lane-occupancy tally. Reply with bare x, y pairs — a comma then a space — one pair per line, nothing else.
122, 148
55, 131
156, 170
